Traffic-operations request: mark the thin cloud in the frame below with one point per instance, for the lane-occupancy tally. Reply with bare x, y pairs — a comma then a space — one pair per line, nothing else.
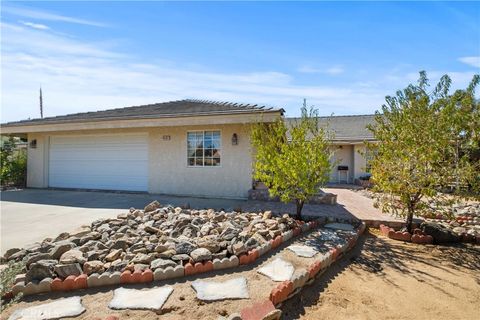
471, 61
48, 16
34, 25
334, 70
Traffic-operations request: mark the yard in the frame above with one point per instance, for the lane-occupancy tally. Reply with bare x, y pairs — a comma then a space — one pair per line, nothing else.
387, 279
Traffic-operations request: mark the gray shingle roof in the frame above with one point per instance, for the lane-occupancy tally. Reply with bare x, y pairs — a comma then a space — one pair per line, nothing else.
178, 108
346, 128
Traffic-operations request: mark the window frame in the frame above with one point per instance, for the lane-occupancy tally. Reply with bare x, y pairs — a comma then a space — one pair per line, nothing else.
203, 148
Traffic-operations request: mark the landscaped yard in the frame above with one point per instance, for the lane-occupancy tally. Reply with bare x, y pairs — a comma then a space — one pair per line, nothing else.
387, 279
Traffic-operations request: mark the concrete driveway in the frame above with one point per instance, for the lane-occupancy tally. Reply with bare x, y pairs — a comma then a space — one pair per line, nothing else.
32, 215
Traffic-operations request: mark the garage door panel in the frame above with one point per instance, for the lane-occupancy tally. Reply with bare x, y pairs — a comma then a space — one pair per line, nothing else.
113, 162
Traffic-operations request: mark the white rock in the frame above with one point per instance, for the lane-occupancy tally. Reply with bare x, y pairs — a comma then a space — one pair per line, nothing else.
213, 290
278, 270
302, 251
339, 226
69, 307
140, 299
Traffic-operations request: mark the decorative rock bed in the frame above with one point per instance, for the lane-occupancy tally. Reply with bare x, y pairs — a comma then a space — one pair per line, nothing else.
156, 243
319, 248
464, 228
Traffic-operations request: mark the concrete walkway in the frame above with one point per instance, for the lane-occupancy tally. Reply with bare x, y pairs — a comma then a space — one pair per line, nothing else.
31, 215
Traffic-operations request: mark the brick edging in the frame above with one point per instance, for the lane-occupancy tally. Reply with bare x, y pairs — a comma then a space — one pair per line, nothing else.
127, 277
302, 277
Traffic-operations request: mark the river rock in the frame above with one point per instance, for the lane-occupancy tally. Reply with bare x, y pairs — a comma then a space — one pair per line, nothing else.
40, 270
162, 264
113, 255
439, 232
94, 266
70, 269
184, 247
60, 248
72, 256
201, 254
152, 206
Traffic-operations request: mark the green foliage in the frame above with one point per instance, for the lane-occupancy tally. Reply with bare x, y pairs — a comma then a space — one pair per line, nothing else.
7, 279
425, 140
293, 162
13, 164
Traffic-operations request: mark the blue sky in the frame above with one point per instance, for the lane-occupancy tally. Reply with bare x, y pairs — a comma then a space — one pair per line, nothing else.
343, 57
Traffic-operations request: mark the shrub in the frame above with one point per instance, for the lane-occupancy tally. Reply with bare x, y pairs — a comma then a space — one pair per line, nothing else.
13, 164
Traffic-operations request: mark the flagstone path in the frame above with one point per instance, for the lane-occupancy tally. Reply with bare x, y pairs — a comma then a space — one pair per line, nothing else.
203, 296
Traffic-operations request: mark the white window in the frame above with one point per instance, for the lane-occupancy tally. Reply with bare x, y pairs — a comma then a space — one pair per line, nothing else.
203, 148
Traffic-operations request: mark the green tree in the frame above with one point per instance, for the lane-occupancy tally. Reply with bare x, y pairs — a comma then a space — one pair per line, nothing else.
13, 163
424, 144
292, 160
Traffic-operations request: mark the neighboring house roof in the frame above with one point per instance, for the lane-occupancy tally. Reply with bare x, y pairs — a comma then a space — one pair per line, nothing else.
158, 110
346, 128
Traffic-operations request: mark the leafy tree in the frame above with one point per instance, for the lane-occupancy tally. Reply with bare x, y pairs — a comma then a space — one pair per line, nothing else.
424, 146
292, 160
13, 164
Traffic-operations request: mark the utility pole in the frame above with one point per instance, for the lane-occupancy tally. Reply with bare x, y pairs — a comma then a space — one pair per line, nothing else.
41, 103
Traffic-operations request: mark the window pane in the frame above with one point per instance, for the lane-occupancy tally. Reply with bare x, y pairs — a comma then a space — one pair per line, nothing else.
216, 153
208, 162
208, 152
191, 153
199, 161
216, 144
208, 143
216, 162
216, 135
191, 161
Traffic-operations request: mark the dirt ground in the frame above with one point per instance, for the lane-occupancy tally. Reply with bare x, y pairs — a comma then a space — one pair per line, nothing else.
379, 279
387, 279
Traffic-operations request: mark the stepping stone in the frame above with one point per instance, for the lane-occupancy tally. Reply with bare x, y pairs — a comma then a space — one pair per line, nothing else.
278, 270
69, 307
339, 226
140, 299
212, 290
302, 251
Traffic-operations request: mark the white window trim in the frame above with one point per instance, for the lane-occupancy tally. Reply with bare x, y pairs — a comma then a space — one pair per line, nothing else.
203, 132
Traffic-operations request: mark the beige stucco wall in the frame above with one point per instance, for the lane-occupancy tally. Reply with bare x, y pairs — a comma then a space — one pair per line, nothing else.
37, 161
351, 155
168, 170
359, 160
342, 156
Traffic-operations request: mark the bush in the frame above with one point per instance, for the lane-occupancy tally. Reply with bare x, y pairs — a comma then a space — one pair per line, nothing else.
13, 164
7, 279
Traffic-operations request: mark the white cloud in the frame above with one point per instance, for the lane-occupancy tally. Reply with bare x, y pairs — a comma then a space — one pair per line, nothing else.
34, 25
47, 16
334, 70
79, 76
471, 61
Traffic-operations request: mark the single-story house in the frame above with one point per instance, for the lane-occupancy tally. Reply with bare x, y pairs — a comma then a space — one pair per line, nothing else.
349, 133
187, 147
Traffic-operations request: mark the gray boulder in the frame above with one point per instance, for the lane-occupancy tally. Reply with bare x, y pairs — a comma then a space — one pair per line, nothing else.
162, 264
40, 270
439, 233
70, 269
60, 248
201, 254
184, 247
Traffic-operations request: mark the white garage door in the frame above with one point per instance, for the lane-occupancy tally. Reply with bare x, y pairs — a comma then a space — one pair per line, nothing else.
109, 162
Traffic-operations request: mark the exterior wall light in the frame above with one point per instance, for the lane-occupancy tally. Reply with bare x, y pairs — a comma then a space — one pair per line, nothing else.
234, 139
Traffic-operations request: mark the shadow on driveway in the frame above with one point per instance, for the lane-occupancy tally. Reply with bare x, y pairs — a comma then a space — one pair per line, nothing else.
109, 200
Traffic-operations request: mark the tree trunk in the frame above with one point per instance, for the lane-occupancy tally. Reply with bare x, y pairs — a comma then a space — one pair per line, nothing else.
409, 219
299, 204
